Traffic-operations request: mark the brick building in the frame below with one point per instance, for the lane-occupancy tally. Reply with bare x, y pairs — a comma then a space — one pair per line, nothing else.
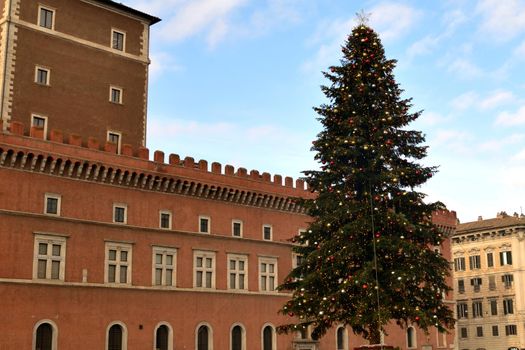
489, 279
103, 248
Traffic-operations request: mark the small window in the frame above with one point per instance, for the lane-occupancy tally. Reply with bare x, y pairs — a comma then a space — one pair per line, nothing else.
164, 266
505, 258
511, 329
204, 224
341, 340
490, 260
204, 338
493, 307
461, 286
267, 274
492, 282
507, 280
459, 264
118, 40
463, 332
117, 337
237, 272
46, 17
268, 338
45, 336
411, 338
462, 310
120, 214
118, 263
165, 219
237, 338
204, 269
477, 309
237, 228
163, 338
508, 306
115, 94
479, 331
476, 283
49, 258
39, 122
267, 232
52, 204
475, 262
495, 331
42, 75
115, 137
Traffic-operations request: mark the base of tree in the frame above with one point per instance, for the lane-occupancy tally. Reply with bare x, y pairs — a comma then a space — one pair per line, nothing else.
375, 347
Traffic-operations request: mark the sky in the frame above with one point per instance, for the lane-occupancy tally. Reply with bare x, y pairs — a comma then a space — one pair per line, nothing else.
234, 81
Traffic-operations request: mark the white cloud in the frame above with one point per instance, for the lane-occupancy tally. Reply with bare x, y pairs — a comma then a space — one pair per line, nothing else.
496, 145
465, 69
511, 119
520, 156
448, 136
465, 101
162, 62
496, 99
430, 118
492, 100
502, 20
519, 52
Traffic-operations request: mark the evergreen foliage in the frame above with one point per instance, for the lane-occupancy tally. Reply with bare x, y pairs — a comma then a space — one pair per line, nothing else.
366, 202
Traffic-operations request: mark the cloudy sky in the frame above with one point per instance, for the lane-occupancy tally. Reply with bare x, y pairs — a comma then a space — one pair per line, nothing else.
234, 81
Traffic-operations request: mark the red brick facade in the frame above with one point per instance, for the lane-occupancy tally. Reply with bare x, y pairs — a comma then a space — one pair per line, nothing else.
98, 246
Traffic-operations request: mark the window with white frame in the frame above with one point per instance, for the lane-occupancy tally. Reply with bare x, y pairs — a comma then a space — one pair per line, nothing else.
39, 122
203, 269
505, 258
204, 224
459, 264
115, 94
120, 213
50, 257
115, 137
236, 228
45, 335
268, 338
118, 40
267, 232
267, 274
46, 17
164, 266
42, 75
118, 263
52, 204
411, 338
237, 272
117, 336
165, 219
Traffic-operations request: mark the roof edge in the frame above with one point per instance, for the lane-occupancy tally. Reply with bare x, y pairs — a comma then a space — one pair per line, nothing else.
122, 7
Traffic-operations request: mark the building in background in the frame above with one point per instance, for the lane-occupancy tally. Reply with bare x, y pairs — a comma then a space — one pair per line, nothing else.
489, 277
104, 248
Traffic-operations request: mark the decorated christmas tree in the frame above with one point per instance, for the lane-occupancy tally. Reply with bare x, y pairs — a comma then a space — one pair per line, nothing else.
368, 257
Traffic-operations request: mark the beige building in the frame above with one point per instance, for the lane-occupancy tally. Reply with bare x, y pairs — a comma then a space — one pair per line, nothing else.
489, 283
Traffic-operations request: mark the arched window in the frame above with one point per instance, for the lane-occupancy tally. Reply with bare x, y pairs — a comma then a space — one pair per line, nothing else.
117, 337
162, 338
411, 338
203, 335
44, 337
341, 339
268, 338
237, 338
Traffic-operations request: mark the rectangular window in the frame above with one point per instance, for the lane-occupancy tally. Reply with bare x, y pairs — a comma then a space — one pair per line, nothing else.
479, 331
46, 17
459, 264
204, 269
39, 122
462, 310
115, 94
164, 260
267, 274
204, 224
507, 280
52, 204
237, 272
508, 307
118, 40
463, 332
461, 286
477, 309
492, 282
237, 228
267, 232
115, 137
490, 260
120, 214
118, 263
165, 219
475, 262
476, 283
505, 258
495, 331
49, 258
511, 329
41, 75
493, 307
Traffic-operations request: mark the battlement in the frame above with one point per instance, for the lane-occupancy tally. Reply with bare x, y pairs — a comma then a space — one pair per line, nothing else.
140, 157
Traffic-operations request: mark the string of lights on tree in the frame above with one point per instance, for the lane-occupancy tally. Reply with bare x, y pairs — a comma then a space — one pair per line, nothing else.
370, 166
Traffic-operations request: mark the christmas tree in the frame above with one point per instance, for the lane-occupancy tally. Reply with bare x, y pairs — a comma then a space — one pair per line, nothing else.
369, 254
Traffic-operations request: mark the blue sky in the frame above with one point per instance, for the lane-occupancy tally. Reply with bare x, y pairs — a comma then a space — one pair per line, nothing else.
234, 81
